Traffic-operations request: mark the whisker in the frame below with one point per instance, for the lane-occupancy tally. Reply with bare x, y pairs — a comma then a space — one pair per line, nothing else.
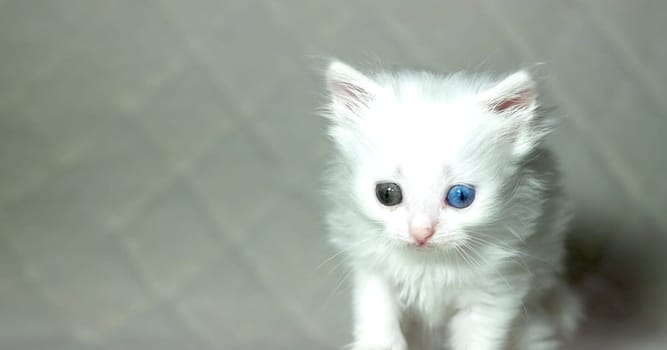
342, 251
514, 250
336, 289
493, 269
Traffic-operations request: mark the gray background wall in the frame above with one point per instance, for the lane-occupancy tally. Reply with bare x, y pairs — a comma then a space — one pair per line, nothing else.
159, 161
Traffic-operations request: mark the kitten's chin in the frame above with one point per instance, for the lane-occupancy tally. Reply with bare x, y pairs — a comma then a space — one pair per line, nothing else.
437, 246
421, 246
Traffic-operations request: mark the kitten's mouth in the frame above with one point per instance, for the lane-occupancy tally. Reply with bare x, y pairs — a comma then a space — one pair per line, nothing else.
421, 246
427, 245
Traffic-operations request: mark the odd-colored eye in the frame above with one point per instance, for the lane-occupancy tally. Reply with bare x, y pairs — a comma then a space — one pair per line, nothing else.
460, 196
388, 193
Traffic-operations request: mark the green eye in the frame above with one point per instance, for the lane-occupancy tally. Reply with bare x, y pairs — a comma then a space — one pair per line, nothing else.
388, 193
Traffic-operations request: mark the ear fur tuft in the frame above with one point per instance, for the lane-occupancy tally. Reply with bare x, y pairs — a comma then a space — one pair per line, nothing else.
350, 90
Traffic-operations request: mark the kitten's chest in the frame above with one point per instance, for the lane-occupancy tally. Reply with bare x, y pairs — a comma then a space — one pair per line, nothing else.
431, 297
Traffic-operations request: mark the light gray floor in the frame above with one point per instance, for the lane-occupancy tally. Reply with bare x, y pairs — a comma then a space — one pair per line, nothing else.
159, 161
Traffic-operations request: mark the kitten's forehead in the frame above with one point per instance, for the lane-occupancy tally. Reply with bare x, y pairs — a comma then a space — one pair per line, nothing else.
435, 86
427, 126
421, 127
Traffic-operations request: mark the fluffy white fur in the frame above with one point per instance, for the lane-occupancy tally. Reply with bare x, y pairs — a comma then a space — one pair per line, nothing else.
490, 276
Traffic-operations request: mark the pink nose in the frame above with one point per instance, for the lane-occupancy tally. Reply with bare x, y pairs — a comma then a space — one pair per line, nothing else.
422, 234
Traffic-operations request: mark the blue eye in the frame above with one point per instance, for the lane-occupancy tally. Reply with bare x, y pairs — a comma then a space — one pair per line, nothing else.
460, 196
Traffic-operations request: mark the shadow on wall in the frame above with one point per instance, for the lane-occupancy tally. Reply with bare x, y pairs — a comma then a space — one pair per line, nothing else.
619, 273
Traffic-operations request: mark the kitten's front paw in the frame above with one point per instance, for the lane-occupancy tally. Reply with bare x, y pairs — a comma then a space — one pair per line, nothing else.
399, 344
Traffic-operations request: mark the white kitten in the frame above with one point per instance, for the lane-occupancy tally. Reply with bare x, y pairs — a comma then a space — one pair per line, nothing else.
448, 210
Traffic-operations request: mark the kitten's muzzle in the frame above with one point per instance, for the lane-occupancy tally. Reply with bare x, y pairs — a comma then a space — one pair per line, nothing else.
422, 235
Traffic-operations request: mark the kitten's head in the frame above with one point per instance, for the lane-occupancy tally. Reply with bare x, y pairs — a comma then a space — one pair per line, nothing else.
426, 161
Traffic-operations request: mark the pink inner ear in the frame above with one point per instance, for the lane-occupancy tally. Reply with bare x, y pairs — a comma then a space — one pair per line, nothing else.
518, 101
351, 90
351, 95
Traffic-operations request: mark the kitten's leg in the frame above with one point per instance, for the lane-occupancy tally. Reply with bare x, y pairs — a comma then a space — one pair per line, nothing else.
484, 326
536, 333
376, 313
554, 319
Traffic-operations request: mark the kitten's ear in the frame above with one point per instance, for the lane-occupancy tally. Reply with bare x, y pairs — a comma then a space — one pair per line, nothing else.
516, 93
351, 91
515, 100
